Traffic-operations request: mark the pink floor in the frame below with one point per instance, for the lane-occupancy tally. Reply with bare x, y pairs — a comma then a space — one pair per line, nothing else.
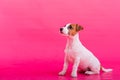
37, 70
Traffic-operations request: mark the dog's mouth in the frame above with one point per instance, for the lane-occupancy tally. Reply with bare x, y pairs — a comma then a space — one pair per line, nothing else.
61, 32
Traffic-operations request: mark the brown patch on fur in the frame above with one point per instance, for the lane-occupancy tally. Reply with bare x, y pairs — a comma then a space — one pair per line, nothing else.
75, 29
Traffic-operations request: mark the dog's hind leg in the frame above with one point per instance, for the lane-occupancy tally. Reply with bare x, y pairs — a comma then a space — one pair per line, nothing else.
93, 71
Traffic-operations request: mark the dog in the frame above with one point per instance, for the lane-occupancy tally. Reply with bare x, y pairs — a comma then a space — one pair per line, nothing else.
83, 60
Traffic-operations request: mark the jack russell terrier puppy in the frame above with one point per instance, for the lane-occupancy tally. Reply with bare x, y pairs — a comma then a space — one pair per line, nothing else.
83, 60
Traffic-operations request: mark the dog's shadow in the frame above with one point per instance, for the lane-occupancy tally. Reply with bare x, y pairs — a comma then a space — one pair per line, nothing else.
66, 78
105, 76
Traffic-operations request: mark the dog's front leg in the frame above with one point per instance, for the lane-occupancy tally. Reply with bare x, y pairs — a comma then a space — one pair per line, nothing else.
65, 66
75, 67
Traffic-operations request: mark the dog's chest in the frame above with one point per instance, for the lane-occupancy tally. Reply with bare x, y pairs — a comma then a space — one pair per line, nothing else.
73, 49
70, 56
71, 53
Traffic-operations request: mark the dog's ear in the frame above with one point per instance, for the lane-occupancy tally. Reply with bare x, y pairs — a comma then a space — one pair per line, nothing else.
78, 27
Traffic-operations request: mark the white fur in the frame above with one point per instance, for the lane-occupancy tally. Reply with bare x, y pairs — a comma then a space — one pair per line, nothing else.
65, 30
80, 56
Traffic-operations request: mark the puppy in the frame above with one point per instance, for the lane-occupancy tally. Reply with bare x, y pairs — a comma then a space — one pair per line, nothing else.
75, 52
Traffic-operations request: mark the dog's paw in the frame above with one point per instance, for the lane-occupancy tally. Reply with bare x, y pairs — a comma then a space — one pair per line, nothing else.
90, 72
74, 74
62, 73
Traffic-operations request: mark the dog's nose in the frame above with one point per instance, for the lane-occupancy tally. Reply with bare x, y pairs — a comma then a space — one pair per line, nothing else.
61, 29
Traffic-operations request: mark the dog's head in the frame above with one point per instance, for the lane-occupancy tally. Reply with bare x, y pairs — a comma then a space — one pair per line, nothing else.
70, 29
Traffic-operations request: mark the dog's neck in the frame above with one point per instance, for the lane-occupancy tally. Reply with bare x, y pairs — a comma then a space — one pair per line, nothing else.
74, 40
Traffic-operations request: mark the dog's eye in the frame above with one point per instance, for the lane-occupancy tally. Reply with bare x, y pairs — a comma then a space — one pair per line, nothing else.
70, 27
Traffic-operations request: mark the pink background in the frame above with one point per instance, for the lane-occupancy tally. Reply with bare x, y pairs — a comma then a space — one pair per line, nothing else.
29, 29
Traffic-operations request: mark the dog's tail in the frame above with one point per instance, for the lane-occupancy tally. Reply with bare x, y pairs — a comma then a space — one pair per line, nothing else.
106, 70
